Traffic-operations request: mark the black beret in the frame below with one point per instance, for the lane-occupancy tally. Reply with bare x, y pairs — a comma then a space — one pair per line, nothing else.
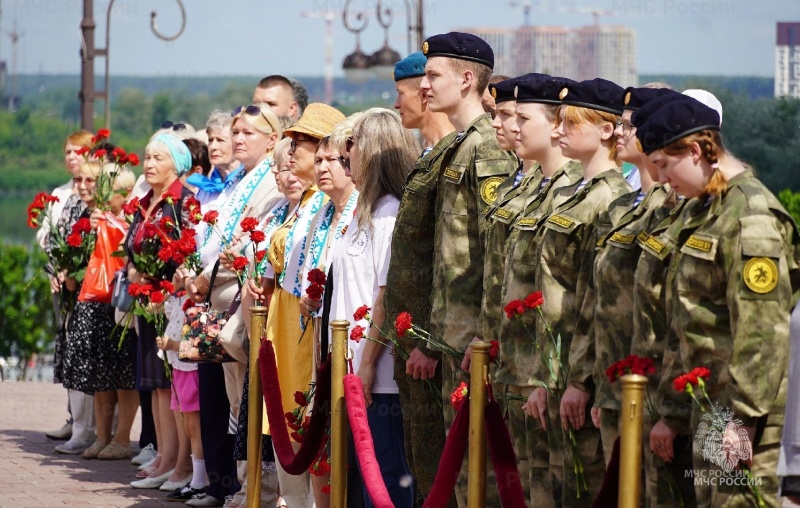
543, 89
503, 91
673, 120
459, 45
635, 98
599, 94
641, 115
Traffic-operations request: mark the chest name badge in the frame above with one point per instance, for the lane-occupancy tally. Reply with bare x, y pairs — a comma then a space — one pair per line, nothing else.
503, 213
452, 174
699, 244
527, 221
489, 189
560, 220
654, 244
760, 275
620, 238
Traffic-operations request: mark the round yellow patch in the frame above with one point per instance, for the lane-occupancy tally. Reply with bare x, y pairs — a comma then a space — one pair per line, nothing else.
494, 93
627, 98
425, 48
489, 189
760, 275
563, 93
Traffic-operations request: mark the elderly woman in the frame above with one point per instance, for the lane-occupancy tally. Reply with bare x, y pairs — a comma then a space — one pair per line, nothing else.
166, 158
382, 154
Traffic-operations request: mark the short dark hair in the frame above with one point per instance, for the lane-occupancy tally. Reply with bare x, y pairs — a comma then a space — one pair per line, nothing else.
199, 151
300, 96
274, 80
497, 78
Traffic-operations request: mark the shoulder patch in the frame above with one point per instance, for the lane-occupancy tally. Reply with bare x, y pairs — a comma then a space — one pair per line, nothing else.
654, 244
488, 189
561, 220
760, 275
699, 244
621, 238
527, 221
503, 213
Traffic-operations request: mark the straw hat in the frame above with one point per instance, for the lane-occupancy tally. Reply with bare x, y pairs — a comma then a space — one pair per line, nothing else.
317, 121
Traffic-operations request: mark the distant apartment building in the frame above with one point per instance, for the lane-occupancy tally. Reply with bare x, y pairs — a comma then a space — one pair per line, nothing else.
787, 60
596, 51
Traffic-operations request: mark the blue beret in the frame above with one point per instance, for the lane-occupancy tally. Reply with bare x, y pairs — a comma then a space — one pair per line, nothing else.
675, 119
503, 91
635, 97
543, 89
598, 94
459, 45
412, 66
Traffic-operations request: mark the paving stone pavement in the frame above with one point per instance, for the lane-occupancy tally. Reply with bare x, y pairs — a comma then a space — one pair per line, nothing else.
31, 474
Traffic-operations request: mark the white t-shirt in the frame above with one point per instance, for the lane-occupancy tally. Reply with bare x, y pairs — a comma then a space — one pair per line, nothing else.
62, 192
360, 261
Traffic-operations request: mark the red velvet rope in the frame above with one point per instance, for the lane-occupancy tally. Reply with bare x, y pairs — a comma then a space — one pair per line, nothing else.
450, 464
314, 439
365, 447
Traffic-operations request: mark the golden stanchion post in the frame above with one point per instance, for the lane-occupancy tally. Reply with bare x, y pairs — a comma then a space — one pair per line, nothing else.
258, 321
630, 450
339, 427
478, 377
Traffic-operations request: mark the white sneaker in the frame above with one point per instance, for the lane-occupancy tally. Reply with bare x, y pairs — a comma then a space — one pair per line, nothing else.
74, 447
147, 454
147, 464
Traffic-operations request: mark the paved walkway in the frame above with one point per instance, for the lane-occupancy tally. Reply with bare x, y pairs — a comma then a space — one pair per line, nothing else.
31, 474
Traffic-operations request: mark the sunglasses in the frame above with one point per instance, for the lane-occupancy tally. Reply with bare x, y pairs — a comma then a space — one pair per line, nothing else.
174, 126
254, 110
301, 138
87, 180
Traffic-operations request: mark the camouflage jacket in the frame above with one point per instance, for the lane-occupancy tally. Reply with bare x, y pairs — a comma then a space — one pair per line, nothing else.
565, 247
518, 358
612, 283
501, 214
473, 167
730, 289
409, 281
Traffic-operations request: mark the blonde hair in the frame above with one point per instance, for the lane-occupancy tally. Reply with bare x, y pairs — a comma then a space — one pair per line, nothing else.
266, 123
94, 168
386, 155
711, 147
280, 155
125, 179
482, 73
343, 130
577, 115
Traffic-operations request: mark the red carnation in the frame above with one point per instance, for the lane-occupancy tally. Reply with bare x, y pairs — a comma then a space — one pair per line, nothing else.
134, 289
188, 304
51, 199
165, 253
260, 255
192, 207
514, 308
157, 297
326, 489
494, 349
534, 300
100, 153
680, 382
145, 289
83, 150
317, 276
248, 224
239, 263
74, 240
701, 372
300, 398
118, 155
211, 217
257, 236
402, 324
132, 159
131, 207
170, 197
150, 230
103, 134
314, 291
167, 286
361, 313
357, 333
166, 223
459, 395
82, 226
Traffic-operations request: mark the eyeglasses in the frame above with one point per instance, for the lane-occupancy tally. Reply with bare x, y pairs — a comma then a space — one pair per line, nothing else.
301, 138
627, 127
254, 110
174, 126
87, 180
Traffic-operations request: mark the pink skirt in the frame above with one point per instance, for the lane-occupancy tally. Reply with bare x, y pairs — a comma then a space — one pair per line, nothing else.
185, 391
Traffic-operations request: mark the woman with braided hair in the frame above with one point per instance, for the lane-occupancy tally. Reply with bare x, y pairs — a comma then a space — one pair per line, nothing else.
729, 294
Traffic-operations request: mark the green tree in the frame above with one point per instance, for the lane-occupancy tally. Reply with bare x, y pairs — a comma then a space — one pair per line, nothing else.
26, 311
791, 201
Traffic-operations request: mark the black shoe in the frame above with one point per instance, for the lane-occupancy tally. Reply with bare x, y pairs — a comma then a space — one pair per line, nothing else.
184, 494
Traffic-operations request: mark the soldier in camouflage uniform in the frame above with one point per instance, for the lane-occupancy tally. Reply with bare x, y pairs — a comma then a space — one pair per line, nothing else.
731, 284
458, 69
410, 276
565, 248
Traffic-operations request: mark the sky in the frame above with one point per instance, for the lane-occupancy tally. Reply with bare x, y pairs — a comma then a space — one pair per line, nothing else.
259, 37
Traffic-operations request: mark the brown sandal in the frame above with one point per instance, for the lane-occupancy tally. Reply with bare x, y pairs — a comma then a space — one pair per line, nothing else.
115, 451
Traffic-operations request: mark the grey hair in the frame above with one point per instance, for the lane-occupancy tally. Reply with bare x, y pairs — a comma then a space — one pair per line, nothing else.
300, 96
218, 120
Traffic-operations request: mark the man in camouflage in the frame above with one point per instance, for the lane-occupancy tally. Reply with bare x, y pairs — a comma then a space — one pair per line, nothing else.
409, 279
456, 75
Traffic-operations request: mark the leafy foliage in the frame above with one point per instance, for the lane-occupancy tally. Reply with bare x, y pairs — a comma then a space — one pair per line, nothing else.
26, 311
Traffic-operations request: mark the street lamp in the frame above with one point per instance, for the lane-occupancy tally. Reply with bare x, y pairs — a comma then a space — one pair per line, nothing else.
358, 67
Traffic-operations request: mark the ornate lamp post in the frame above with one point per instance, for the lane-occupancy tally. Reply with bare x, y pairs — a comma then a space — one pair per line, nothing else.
89, 52
358, 67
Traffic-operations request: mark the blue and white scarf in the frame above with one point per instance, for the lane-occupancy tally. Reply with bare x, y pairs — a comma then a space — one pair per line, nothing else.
236, 203
294, 252
273, 220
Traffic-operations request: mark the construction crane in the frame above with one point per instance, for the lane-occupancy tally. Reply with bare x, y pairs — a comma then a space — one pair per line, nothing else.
329, 16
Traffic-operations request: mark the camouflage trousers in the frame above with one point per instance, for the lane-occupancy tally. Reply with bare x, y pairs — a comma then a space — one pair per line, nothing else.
728, 489
423, 427
530, 447
565, 479
667, 485
452, 376
609, 431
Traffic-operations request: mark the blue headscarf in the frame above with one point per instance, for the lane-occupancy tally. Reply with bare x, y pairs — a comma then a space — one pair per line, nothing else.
181, 157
